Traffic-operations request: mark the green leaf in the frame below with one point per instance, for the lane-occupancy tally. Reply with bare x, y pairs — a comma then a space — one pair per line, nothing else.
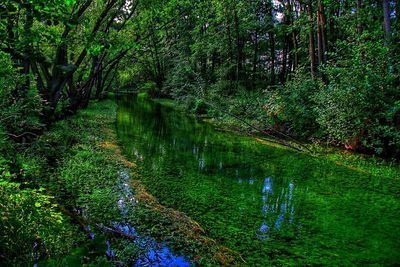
69, 2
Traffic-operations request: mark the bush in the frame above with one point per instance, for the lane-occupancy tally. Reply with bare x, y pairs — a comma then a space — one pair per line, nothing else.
19, 113
179, 81
150, 88
198, 106
358, 105
292, 107
30, 225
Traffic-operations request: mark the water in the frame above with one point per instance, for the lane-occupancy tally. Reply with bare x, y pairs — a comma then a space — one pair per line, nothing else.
274, 206
153, 254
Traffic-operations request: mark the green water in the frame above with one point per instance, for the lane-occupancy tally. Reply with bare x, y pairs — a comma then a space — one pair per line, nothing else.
274, 206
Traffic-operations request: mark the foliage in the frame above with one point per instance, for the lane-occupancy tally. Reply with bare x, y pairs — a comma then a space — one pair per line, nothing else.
150, 88
91, 253
293, 106
65, 52
31, 225
19, 114
316, 70
356, 107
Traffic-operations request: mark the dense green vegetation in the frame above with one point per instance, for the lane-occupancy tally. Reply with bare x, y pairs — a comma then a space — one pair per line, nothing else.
316, 70
34, 226
52, 56
322, 72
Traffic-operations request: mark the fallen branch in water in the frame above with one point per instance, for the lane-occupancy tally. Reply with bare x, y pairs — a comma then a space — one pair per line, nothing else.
116, 232
262, 131
21, 135
85, 223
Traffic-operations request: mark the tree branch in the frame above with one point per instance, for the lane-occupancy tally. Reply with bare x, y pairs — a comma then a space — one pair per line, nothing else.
21, 135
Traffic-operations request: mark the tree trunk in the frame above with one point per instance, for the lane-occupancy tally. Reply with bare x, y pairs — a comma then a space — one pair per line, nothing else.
332, 31
231, 74
158, 68
295, 54
386, 21
271, 35
321, 33
290, 43
282, 75
311, 48
24, 66
359, 23
239, 49
99, 82
213, 62
255, 60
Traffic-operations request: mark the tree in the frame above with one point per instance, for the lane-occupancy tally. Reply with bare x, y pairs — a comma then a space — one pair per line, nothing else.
386, 20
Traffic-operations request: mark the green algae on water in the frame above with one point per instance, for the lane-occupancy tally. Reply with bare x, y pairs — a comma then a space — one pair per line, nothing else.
274, 206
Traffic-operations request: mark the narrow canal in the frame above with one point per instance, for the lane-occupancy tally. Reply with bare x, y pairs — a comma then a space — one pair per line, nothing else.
274, 206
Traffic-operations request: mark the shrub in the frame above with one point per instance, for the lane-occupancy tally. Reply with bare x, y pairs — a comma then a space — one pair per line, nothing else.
293, 105
34, 222
150, 88
19, 113
357, 107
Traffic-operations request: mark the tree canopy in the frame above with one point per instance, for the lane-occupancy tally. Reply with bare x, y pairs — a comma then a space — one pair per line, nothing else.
316, 70
322, 69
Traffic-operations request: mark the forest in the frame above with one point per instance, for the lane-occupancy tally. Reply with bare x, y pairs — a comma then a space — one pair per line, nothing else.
309, 75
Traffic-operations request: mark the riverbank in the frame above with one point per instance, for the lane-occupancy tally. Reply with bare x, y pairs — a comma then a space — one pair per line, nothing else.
81, 203
383, 173
367, 164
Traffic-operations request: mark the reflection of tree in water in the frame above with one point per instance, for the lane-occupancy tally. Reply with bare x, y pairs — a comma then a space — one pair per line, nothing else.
276, 207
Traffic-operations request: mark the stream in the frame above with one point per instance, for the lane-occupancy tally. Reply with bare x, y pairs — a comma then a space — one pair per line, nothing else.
272, 205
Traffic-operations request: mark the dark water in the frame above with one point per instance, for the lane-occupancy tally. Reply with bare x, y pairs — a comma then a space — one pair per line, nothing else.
153, 253
274, 206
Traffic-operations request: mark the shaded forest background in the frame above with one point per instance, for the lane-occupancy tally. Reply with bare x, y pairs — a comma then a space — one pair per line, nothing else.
316, 70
